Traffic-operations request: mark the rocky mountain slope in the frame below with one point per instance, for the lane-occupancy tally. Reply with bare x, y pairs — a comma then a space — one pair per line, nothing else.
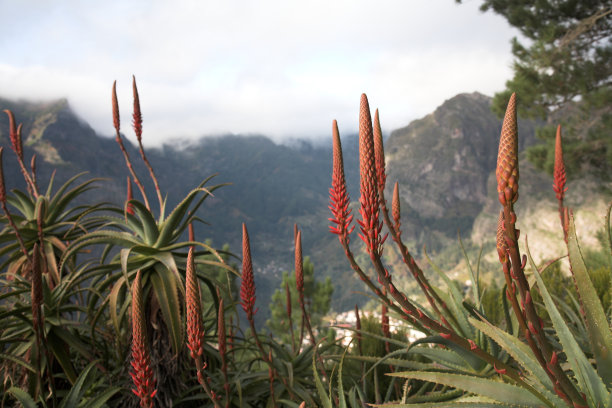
443, 162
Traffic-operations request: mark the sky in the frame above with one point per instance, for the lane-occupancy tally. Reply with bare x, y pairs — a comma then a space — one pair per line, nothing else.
280, 68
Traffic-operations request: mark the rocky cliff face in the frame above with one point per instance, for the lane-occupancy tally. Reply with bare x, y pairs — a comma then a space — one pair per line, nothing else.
442, 163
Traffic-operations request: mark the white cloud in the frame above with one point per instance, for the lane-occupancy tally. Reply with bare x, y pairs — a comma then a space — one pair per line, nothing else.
280, 68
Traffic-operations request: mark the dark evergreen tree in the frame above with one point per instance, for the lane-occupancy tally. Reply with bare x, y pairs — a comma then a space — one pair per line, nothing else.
562, 73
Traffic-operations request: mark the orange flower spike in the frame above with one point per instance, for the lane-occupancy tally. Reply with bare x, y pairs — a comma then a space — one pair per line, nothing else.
507, 171
195, 327
379, 154
137, 116
369, 224
299, 267
142, 374
247, 288
339, 199
559, 169
116, 120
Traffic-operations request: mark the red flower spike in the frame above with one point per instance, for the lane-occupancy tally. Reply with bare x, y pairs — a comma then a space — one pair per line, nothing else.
339, 199
116, 120
247, 288
395, 208
142, 374
15, 134
507, 171
446, 336
473, 345
369, 224
299, 267
137, 116
379, 154
559, 169
129, 207
195, 326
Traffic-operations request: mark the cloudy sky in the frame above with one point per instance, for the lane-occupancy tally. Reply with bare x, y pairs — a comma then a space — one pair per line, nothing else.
277, 67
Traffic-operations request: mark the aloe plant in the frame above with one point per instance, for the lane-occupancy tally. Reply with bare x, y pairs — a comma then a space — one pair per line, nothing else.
476, 355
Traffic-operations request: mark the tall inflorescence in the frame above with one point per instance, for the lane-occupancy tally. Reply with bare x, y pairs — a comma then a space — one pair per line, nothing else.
395, 209
370, 225
507, 172
195, 326
559, 169
559, 180
137, 115
247, 288
142, 373
339, 199
299, 267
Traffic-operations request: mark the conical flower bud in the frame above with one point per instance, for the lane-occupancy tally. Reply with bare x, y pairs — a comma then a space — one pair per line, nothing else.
559, 169
115, 102
379, 154
137, 116
195, 327
507, 171
247, 288
395, 208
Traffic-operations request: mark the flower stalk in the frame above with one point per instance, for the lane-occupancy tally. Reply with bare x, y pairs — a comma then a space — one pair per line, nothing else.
507, 175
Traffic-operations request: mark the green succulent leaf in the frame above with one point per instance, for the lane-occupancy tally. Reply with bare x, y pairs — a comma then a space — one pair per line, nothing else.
587, 378
598, 330
323, 397
496, 390
165, 288
516, 348
23, 397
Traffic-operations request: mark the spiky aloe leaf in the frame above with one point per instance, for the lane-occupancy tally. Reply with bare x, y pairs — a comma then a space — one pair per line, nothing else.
169, 226
496, 390
587, 378
324, 399
23, 203
447, 358
165, 288
598, 330
149, 225
524, 356
23, 397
